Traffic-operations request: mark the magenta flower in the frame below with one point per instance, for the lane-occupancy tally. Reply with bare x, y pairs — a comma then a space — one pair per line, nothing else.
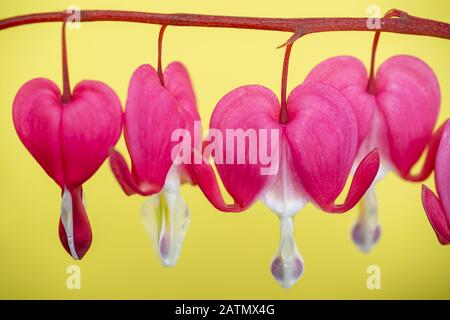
312, 155
70, 140
406, 98
438, 207
155, 110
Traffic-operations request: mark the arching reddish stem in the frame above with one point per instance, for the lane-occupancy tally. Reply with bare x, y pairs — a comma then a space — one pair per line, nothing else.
417, 26
160, 42
66, 94
284, 77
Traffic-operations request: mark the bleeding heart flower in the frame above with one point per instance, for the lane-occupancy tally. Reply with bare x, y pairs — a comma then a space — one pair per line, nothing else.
70, 141
153, 112
406, 98
314, 152
438, 207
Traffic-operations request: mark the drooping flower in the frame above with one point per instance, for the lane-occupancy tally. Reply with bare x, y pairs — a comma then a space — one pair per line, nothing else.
69, 134
70, 141
153, 112
310, 158
406, 96
437, 207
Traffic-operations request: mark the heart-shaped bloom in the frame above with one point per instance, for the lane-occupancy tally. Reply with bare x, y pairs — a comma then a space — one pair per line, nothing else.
153, 113
307, 159
438, 207
70, 141
406, 100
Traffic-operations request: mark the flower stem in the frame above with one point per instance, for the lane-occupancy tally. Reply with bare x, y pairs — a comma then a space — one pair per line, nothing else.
415, 26
284, 77
390, 14
66, 95
160, 42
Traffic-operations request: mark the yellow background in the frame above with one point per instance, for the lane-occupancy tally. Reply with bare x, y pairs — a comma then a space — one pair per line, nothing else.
224, 256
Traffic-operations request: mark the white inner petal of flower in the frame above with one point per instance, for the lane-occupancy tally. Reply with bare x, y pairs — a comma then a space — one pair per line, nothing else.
366, 231
375, 139
283, 197
67, 221
166, 219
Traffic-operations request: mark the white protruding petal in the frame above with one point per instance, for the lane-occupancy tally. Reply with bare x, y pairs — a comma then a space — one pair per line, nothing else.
366, 231
67, 221
166, 219
287, 264
172, 183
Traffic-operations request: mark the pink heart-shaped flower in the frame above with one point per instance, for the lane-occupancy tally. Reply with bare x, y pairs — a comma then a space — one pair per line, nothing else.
155, 112
396, 113
406, 103
309, 158
69, 141
313, 152
152, 113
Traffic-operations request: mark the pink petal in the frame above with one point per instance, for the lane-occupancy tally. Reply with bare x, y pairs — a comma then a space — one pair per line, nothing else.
245, 108
207, 182
362, 180
178, 83
408, 97
151, 115
438, 209
91, 125
322, 134
429, 162
348, 75
442, 171
37, 118
436, 215
126, 180
82, 234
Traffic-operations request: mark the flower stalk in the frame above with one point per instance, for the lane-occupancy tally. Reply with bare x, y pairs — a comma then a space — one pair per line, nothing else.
67, 93
390, 14
160, 44
284, 77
